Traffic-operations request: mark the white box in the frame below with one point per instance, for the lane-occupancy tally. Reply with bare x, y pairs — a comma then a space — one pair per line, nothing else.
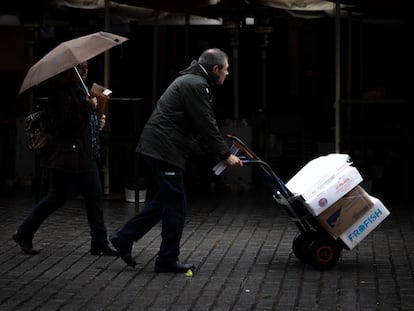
365, 224
317, 173
338, 185
324, 180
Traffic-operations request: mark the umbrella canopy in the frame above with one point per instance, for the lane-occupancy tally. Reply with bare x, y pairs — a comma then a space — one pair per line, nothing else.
68, 54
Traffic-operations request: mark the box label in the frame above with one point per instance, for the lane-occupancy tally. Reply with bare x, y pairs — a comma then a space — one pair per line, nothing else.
367, 223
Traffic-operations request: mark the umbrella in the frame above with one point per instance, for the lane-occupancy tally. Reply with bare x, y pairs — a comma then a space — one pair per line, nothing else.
68, 54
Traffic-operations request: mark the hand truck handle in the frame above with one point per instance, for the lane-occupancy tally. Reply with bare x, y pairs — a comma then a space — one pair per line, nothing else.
251, 159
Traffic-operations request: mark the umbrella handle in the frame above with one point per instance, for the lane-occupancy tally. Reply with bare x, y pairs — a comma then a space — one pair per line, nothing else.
81, 80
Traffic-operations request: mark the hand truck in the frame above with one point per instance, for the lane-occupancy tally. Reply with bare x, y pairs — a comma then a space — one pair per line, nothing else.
312, 244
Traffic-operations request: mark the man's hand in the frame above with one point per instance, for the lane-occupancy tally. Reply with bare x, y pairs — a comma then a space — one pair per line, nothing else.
233, 161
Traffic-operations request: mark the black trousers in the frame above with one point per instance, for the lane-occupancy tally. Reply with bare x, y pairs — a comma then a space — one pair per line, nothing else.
66, 185
166, 202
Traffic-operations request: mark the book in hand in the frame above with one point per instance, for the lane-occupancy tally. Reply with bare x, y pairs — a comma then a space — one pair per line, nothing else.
102, 95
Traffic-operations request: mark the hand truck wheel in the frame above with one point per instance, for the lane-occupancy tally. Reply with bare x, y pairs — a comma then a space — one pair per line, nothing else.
301, 243
323, 254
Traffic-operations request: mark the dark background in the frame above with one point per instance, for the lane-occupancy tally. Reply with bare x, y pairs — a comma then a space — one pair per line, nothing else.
295, 124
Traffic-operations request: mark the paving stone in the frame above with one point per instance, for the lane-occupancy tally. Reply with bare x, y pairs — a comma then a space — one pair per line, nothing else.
241, 244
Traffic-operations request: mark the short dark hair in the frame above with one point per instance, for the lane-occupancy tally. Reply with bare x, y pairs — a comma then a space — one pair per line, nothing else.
211, 57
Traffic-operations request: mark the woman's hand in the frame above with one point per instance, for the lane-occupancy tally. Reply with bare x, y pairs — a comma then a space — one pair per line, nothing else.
102, 122
93, 102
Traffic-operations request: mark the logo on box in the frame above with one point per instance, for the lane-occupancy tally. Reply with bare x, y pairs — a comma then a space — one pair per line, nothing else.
365, 224
342, 182
332, 220
322, 202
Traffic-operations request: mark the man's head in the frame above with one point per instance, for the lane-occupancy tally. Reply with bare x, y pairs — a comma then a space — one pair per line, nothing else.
216, 62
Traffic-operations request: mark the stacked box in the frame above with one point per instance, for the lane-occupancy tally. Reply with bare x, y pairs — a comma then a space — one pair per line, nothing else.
325, 180
353, 217
330, 188
365, 224
339, 185
345, 212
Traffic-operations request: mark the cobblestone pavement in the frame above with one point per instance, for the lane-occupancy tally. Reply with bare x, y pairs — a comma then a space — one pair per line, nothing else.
241, 244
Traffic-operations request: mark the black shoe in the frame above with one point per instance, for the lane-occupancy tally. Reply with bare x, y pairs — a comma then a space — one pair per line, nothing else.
124, 248
102, 249
25, 245
175, 267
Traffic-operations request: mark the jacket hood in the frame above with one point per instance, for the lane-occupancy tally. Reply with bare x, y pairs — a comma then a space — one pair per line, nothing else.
197, 69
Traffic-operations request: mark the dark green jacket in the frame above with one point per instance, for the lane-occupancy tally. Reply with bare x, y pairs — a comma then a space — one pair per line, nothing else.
182, 119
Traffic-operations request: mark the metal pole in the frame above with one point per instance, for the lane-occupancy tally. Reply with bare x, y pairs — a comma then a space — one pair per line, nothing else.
264, 32
234, 30
338, 76
106, 128
81, 81
155, 61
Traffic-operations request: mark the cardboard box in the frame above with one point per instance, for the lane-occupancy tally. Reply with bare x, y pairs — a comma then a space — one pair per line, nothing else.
365, 224
345, 212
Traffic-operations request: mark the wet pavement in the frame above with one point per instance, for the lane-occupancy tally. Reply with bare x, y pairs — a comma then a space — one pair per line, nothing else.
240, 242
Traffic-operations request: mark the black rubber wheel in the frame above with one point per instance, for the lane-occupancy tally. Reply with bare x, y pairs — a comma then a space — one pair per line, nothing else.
323, 254
301, 243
